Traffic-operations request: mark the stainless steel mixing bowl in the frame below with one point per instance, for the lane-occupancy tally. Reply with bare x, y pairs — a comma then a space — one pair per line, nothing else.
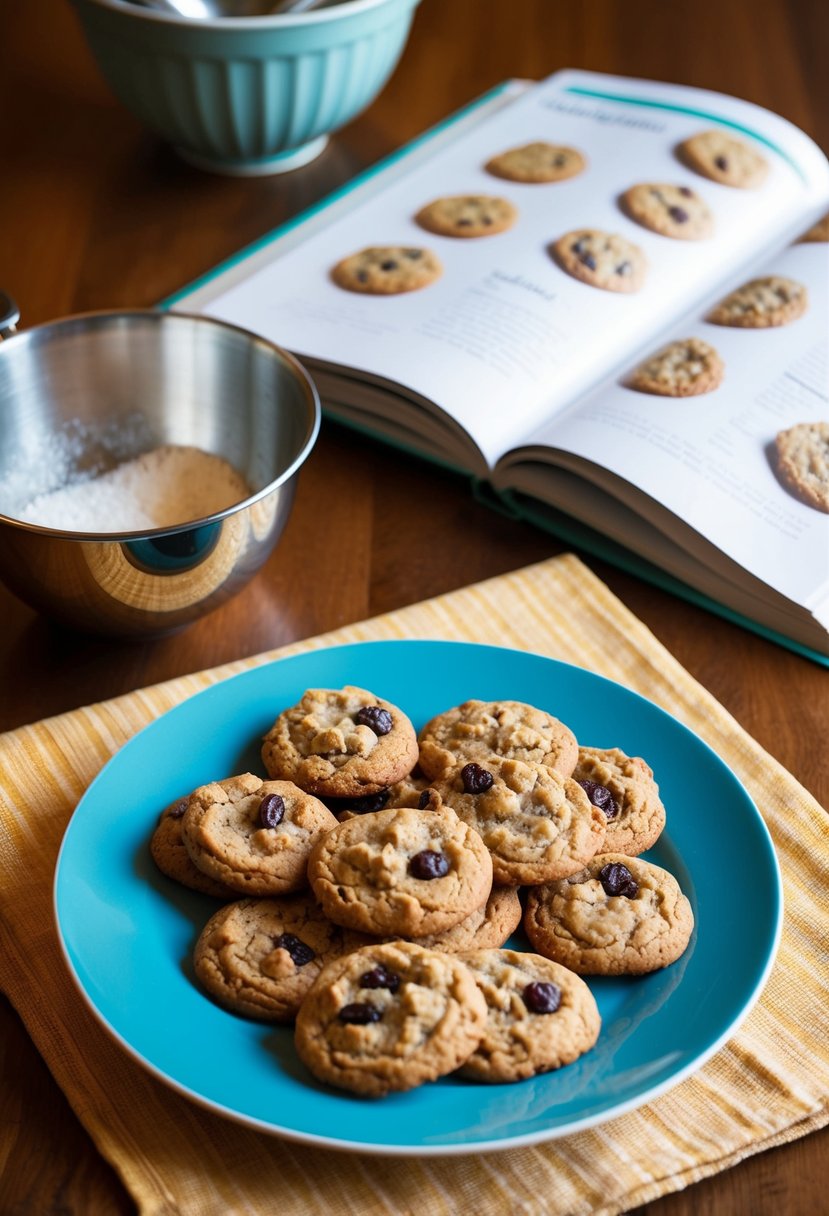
88, 392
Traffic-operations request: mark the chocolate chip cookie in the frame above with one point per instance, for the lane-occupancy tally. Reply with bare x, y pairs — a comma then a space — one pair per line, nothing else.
537, 825
536, 163
685, 368
341, 743
723, 158
623, 788
387, 270
803, 462
619, 916
601, 259
389, 1017
673, 211
259, 957
401, 871
818, 233
540, 1016
478, 730
254, 836
762, 303
169, 854
467, 215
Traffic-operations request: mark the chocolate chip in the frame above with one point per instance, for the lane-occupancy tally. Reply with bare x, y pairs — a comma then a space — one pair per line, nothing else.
362, 276
389, 264
679, 215
559, 160
300, 952
176, 812
721, 162
542, 997
487, 221
618, 880
588, 260
577, 246
601, 797
685, 191
463, 222
429, 864
476, 780
373, 716
360, 1013
624, 268
271, 811
380, 977
414, 254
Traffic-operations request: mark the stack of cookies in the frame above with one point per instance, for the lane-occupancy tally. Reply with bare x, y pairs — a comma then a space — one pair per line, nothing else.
371, 883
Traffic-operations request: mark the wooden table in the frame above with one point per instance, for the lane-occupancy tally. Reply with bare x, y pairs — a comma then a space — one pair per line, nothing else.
96, 213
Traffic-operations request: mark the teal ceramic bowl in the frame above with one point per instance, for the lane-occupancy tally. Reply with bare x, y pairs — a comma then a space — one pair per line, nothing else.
247, 95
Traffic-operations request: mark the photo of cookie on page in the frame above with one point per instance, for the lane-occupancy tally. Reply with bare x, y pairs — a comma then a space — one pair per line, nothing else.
537, 163
802, 462
387, 270
762, 304
467, 215
601, 259
818, 233
681, 369
723, 158
668, 210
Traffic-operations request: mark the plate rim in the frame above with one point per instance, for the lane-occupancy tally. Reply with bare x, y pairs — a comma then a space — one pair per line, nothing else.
542, 1135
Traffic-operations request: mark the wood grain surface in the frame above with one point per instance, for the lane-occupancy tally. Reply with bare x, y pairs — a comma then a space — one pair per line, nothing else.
96, 213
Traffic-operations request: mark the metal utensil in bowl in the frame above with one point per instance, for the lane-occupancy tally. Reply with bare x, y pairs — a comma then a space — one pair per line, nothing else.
208, 10
85, 393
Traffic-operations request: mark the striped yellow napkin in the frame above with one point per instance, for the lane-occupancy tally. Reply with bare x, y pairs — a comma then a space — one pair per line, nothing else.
770, 1084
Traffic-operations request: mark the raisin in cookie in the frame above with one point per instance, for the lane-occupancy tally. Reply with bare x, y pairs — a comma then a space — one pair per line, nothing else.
762, 303
803, 462
540, 1016
723, 158
686, 368
619, 916
467, 216
252, 835
623, 788
601, 259
673, 211
341, 743
169, 854
387, 270
537, 825
537, 162
401, 871
479, 730
389, 1017
407, 792
259, 957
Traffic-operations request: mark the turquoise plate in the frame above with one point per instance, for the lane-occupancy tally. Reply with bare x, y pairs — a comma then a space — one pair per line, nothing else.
128, 932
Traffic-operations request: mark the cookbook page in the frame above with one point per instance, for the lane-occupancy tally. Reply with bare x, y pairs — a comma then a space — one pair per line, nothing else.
713, 460
524, 318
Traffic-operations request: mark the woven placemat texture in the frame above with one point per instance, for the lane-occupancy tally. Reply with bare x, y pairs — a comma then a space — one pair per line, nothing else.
769, 1084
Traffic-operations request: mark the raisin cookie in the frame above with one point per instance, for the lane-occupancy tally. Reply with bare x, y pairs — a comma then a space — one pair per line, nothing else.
389, 1017
252, 835
540, 1016
803, 462
723, 158
762, 303
623, 788
169, 854
485, 928
387, 270
619, 916
538, 162
674, 211
537, 825
401, 871
341, 743
601, 259
467, 215
479, 730
686, 368
259, 957
407, 792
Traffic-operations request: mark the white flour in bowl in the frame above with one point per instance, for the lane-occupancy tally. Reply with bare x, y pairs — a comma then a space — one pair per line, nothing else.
166, 486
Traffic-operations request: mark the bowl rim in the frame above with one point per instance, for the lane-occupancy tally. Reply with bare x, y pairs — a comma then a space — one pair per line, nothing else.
267, 21
158, 316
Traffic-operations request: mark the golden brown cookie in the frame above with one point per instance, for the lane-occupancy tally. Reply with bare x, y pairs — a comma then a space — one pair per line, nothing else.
723, 158
169, 854
601, 259
387, 270
259, 957
803, 462
341, 743
537, 163
619, 916
623, 788
479, 730
537, 825
254, 836
761, 304
673, 211
540, 1016
467, 215
485, 928
389, 1017
818, 233
685, 368
401, 871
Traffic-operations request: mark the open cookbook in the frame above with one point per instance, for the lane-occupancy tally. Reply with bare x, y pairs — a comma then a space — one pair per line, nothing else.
525, 358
